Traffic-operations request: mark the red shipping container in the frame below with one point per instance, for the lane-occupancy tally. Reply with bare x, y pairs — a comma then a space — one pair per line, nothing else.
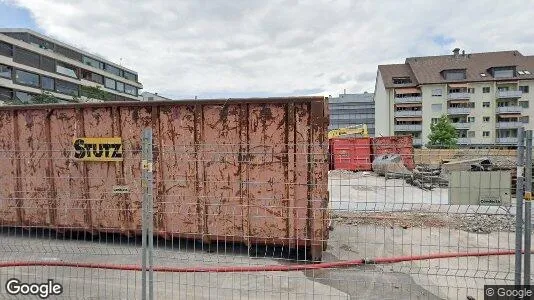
352, 154
402, 145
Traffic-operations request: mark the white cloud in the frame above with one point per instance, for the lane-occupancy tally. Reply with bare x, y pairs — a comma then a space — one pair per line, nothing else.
251, 47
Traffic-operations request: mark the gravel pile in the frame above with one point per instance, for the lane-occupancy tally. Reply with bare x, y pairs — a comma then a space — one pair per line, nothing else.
479, 223
485, 223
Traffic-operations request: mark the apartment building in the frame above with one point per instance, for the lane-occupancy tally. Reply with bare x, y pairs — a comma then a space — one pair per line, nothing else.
486, 96
352, 109
31, 64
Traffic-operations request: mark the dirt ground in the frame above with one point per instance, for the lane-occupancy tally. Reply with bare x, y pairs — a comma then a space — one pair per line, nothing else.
371, 218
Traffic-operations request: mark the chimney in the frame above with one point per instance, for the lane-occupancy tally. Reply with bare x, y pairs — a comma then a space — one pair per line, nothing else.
344, 91
463, 52
456, 52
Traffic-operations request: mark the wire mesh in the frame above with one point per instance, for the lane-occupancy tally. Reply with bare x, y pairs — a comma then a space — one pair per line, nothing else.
221, 205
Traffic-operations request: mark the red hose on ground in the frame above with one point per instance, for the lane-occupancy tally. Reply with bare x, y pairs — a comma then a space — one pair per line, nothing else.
268, 268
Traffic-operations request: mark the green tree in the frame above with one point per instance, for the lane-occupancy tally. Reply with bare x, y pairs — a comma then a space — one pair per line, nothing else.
92, 92
442, 134
44, 97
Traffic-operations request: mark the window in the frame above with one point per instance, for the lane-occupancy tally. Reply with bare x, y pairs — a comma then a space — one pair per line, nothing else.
40, 42
6, 49
523, 104
68, 53
66, 69
486, 89
437, 92
471, 134
112, 69
434, 120
524, 89
130, 76
109, 83
485, 104
120, 86
471, 119
48, 64
130, 90
524, 119
5, 71
503, 73
92, 62
26, 57
436, 107
401, 80
27, 78
6, 94
486, 119
471, 90
88, 75
23, 97
47, 83
485, 133
66, 87
454, 74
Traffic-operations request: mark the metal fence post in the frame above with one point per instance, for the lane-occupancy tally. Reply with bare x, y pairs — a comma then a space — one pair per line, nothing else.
519, 206
528, 198
147, 215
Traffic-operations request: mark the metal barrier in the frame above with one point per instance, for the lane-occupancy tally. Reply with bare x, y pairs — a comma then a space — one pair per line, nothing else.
441, 230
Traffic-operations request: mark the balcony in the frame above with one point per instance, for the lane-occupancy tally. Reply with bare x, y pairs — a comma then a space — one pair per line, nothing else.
458, 96
508, 125
464, 141
409, 100
459, 110
418, 142
408, 113
509, 94
464, 125
509, 109
418, 127
506, 140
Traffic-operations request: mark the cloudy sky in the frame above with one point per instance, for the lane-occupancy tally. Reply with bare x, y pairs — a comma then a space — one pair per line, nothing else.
234, 48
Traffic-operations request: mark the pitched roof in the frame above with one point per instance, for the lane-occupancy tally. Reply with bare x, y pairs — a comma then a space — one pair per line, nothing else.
398, 70
427, 70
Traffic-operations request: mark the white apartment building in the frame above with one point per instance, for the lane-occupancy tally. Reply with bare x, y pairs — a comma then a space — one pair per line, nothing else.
31, 64
486, 96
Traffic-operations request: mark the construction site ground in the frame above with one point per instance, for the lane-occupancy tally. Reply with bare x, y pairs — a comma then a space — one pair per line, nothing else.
370, 218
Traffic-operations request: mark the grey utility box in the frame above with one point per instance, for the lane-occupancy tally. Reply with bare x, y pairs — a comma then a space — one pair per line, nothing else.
480, 188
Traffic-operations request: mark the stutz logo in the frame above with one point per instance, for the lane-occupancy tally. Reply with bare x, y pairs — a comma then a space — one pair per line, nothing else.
98, 149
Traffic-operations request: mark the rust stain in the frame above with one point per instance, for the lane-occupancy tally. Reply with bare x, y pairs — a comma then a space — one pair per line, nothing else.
222, 171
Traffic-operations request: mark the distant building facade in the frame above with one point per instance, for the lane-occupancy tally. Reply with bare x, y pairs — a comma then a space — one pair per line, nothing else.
351, 110
32, 64
147, 96
486, 96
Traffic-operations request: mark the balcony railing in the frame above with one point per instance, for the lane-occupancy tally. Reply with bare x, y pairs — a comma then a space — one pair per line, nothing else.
509, 109
458, 96
509, 94
506, 140
464, 141
408, 113
418, 142
508, 125
459, 110
408, 127
409, 100
464, 125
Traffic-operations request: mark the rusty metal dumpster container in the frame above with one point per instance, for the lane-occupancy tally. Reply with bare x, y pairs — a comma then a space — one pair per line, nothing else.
244, 170
353, 154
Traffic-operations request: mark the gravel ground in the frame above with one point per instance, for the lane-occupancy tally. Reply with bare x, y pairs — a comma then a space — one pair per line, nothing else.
469, 223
